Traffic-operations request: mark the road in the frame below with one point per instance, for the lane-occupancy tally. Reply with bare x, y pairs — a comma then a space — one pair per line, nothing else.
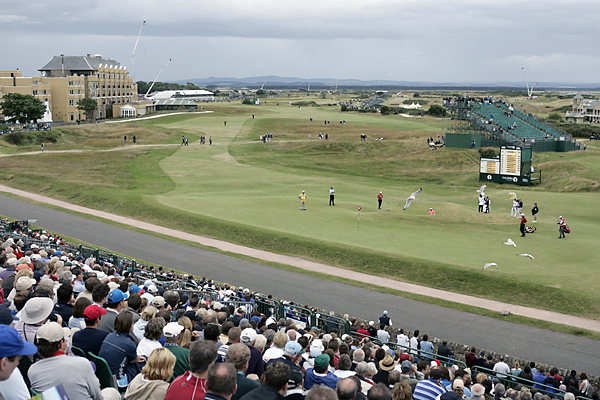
542, 346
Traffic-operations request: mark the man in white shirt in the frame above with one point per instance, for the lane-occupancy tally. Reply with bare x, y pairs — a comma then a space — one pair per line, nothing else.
501, 368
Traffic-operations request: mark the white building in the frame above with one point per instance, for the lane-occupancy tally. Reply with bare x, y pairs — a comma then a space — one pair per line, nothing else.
194, 95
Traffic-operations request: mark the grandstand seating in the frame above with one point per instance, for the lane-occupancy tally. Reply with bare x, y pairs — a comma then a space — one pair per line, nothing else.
270, 307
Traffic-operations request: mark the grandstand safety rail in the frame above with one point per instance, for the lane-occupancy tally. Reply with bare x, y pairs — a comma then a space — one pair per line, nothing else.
445, 361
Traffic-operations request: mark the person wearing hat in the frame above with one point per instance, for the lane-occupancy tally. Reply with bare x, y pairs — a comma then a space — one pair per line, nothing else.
429, 389
320, 374
114, 304
256, 364
90, 339
291, 356
12, 348
150, 292
172, 333
120, 350
385, 319
34, 314
379, 200
431, 211
75, 374
385, 366
158, 302
372, 329
78, 283
406, 369
562, 227
302, 197
522, 226
239, 355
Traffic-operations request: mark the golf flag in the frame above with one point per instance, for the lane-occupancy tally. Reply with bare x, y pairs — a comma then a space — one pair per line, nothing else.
358, 214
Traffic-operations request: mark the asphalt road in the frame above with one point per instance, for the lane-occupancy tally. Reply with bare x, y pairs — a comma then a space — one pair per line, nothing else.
539, 345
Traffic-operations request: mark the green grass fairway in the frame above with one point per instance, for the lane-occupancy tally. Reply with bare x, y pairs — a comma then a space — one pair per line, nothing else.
243, 190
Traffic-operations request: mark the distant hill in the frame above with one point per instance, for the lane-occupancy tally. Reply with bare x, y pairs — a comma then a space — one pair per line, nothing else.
277, 82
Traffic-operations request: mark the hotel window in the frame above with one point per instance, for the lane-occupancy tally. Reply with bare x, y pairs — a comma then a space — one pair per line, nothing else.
34, 92
70, 83
71, 102
71, 91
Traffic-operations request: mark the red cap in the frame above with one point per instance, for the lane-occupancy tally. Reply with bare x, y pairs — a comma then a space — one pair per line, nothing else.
93, 312
404, 356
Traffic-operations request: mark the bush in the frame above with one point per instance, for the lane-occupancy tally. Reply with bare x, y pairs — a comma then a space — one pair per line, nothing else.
487, 152
344, 108
436, 111
416, 95
385, 110
582, 130
555, 117
31, 137
16, 138
248, 101
305, 103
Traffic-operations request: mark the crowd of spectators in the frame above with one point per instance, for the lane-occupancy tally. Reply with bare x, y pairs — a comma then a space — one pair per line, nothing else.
162, 343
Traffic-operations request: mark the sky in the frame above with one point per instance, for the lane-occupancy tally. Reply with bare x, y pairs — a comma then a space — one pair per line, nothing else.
435, 41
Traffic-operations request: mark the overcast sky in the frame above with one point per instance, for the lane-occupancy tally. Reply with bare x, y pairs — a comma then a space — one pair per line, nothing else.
404, 40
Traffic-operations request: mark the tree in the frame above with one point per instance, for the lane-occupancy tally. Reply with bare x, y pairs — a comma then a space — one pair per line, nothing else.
416, 95
22, 108
555, 117
436, 111
88, 106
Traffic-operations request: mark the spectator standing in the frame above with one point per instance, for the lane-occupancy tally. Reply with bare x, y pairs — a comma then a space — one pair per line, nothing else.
331, 196
501, 368
385, 319
380, 199
534, 212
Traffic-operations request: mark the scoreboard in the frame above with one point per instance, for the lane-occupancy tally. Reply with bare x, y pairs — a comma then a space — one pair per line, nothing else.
511, 166
510, 161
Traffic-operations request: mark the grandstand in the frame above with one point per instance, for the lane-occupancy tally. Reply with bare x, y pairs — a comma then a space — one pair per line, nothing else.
496, 123
221, 297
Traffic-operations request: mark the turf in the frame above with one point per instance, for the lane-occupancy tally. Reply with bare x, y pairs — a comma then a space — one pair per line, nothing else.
246, 191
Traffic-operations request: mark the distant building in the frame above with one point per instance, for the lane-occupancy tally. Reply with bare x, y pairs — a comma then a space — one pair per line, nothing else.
193, 95
584, 110
65, 80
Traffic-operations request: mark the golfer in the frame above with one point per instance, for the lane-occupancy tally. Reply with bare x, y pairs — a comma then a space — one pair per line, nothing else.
380, 199
302, 197
562, 227
523, 222
534, 212
331, 197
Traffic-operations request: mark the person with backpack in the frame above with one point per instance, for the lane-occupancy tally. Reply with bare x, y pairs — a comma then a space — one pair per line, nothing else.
562, 227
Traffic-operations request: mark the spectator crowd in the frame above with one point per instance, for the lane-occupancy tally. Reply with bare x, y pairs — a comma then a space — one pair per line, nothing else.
67, 322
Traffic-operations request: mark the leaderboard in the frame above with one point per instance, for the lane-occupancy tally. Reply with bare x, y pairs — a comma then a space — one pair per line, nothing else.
510, 160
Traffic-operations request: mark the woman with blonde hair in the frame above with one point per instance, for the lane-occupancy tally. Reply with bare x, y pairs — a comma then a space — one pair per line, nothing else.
152, 383
276, 351
260, 343
140, 326
402, 391
186, 335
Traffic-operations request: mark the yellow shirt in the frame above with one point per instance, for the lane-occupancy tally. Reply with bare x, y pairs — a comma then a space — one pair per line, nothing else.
302, 197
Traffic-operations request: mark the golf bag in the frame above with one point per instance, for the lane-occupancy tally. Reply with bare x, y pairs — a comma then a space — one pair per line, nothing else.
530, 229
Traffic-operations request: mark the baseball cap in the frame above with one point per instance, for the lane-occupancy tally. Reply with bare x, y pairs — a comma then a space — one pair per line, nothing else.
322, 361
406, 366
292, 348
93, 312
116, 296
248, 336
316, 347
52, 332
295, 380
384, 312
158, 302
134, 289
152, 289
12, 344
172, 329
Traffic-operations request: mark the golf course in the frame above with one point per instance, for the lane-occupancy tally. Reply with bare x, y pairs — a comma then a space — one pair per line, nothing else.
245, 191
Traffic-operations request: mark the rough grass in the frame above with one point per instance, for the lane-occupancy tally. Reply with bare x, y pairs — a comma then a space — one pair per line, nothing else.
206, 190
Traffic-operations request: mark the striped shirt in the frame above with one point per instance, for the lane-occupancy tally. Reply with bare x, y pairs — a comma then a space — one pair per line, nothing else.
428, 389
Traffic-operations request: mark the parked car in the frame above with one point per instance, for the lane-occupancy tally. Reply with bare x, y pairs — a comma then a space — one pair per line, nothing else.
595, 137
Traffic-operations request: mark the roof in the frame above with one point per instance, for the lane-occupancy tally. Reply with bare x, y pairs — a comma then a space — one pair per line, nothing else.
578, 97
77, 63
166, 94
174, 102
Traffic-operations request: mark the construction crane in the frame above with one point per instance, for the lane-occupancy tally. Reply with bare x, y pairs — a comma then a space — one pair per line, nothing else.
155, 79
133, 54
263, 85
529, 90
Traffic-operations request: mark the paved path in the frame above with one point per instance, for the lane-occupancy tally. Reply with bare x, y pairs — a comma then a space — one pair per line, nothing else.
495, 335
492, 305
